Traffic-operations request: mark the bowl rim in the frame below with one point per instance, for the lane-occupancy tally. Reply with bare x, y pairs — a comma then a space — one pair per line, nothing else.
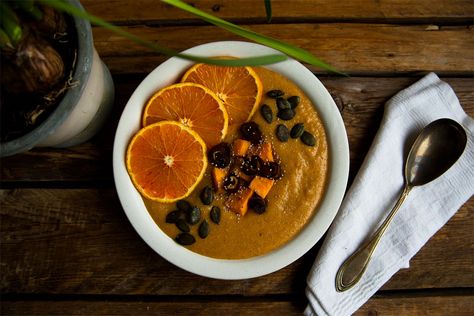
167, 73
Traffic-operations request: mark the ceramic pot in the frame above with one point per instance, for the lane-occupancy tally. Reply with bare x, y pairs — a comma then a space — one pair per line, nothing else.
83, 108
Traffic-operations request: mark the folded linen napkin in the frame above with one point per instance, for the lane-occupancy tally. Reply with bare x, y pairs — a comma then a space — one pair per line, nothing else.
376, 189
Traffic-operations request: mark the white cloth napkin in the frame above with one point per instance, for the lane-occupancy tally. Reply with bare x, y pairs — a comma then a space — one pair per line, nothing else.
375, 190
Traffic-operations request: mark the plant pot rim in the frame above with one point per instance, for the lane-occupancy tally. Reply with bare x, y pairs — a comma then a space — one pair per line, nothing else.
59, 115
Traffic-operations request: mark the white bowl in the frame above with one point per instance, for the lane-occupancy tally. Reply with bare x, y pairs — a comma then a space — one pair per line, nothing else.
168, 73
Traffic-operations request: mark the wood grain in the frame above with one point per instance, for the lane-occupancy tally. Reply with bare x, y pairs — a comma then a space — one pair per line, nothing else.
378, 305
360, 100
351, 48
78, 241
148, 11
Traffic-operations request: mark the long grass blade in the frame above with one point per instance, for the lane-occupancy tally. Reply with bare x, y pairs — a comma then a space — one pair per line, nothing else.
268, 10
250, 61
286, 48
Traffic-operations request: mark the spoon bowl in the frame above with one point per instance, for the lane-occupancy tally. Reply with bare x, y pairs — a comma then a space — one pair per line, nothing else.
435, 150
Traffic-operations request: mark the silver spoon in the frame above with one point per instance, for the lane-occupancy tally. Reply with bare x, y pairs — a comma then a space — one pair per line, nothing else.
435, 150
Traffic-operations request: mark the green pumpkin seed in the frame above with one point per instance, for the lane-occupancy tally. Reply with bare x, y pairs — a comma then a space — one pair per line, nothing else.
282, 133
206, 195
185, 239
267, 113
203, 229
275, 93
194, 215
282, 104
294, 101
173, 216
286, 114
297, 130
216, 214
182, 226
183, 205
308, 139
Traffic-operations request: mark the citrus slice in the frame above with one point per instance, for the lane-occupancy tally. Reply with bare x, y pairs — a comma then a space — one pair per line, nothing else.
192, 105
239, 88
166, 160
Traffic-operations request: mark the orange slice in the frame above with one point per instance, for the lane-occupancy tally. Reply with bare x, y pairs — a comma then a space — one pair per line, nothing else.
192, 105
166, 160
239, 88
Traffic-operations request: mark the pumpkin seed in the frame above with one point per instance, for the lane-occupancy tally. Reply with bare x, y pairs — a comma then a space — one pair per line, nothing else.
282, 133
183, 205
297, 130
267, 113
275, 93
308, 139
216, 214
294, 101
185, 239
282, 104
206, 195
194, 215
173, 216
203, 229
286, 114
182, 226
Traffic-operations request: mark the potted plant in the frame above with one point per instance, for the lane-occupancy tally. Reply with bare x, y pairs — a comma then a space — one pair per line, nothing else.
55, 90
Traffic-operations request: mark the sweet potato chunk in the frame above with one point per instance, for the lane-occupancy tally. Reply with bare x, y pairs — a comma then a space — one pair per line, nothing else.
240, 147
238, 202
261, 185
266, 153
218, 175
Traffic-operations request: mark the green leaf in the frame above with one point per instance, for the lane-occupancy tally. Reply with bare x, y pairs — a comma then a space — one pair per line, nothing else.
10, 23
286, 48
251, 61
268, 10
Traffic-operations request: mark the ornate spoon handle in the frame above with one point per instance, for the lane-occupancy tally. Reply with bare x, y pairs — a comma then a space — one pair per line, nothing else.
354, 267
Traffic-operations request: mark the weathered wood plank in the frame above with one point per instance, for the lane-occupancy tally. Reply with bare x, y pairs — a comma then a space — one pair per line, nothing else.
78, 241
360, 99
385, 48
140, 11
377, 305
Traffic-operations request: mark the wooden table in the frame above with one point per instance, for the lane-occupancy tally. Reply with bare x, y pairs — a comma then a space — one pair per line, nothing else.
67, 247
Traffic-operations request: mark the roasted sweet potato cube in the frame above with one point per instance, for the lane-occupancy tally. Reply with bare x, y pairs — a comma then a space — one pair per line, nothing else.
238, 202
218, 175
261, 185
240, 147
266, 153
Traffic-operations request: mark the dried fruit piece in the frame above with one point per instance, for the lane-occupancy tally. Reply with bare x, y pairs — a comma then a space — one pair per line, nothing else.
271, 170
257, 204
218, 176
240, 147
266, 153
238, 202
220, 155
251, 131
261, 185
251, 166
231, 183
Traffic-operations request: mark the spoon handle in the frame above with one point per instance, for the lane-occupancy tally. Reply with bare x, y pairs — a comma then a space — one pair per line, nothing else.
354, 267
